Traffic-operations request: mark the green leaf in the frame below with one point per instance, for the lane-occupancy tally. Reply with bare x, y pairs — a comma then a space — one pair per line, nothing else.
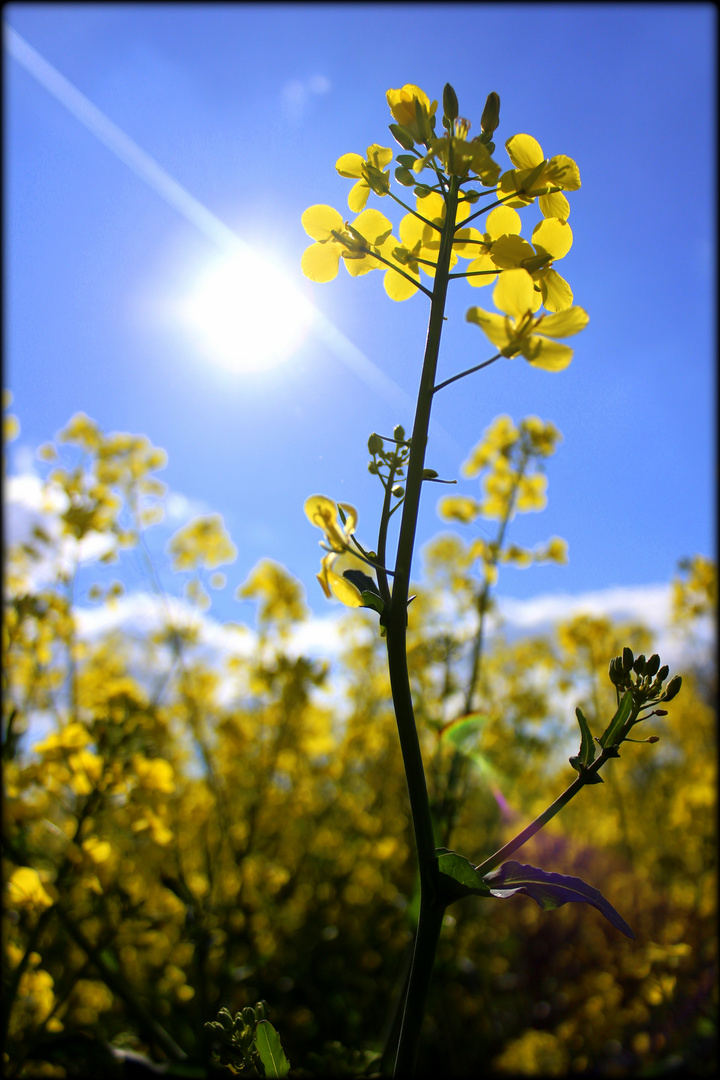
610, 736
461, 877
269, 1047
550, 890
587, 746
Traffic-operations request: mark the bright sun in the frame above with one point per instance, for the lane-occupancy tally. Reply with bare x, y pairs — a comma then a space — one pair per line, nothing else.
246, 315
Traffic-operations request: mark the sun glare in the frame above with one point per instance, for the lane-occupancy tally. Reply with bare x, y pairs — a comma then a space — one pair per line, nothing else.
245, 315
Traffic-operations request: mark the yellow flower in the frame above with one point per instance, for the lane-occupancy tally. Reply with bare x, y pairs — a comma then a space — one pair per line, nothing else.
501, 222
24, 889
517, 331
370, 173
534, 175
335, 239
323, 513
405, 111
552, 239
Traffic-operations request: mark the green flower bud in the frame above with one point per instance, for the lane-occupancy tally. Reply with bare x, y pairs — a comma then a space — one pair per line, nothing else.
653, 738
375, 444
627, 659
403, 136
663, 673
429, 474
615, 670
651, 667
398, 491
661, 712
639, 665
373, 468
673, 688
491, 113
399, 433
450, 103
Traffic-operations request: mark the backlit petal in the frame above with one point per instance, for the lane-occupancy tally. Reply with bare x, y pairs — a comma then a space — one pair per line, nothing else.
524, 151
548, 355
319, 221
502, 220
553, 236
350, 165
514, 293
493, 325
320, 262
564, 323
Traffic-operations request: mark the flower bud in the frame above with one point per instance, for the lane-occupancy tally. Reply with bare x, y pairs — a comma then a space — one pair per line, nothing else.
373, 468
663, 673
491, 114
429, 474
673, 688
615, 670
450, 103
653, 738
651, 667
639, 665
399, 433
398, 491
375, 444
627, 659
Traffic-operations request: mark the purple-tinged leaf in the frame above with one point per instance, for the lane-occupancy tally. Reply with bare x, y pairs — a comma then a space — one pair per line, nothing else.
550, 890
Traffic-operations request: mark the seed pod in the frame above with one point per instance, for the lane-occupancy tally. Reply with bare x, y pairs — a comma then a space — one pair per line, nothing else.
627, 659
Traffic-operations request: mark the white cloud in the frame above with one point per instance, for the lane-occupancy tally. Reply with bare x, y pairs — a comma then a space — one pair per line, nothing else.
297, 93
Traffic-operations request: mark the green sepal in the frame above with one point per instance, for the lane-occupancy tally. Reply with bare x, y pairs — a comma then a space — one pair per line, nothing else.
610, 736
404, 176
402, 135
458, 877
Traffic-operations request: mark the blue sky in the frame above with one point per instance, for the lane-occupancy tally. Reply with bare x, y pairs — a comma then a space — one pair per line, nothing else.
247, 108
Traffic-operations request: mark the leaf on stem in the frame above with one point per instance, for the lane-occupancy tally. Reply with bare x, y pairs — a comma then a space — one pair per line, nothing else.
267, 1042
586, 753
550, 890
464, 878
610, 735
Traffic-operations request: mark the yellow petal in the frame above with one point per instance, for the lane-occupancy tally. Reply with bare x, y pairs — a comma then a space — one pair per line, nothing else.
379, 156
398, 287
373, 225
524, 151
556, 293
344, 590
545, 354
319, 221
485, 268
563, 171
351, 517
358, 196
320, 262
554, 206
502, 220
350, 165
493, 325
553, 236
564, 323
509, 251
514, 293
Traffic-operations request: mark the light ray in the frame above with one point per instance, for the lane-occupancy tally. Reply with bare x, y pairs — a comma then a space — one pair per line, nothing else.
145, 167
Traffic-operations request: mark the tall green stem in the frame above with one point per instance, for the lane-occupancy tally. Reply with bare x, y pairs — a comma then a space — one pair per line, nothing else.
431, 909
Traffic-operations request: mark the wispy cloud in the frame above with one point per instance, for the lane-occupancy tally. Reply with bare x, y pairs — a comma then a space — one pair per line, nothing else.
298, 93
